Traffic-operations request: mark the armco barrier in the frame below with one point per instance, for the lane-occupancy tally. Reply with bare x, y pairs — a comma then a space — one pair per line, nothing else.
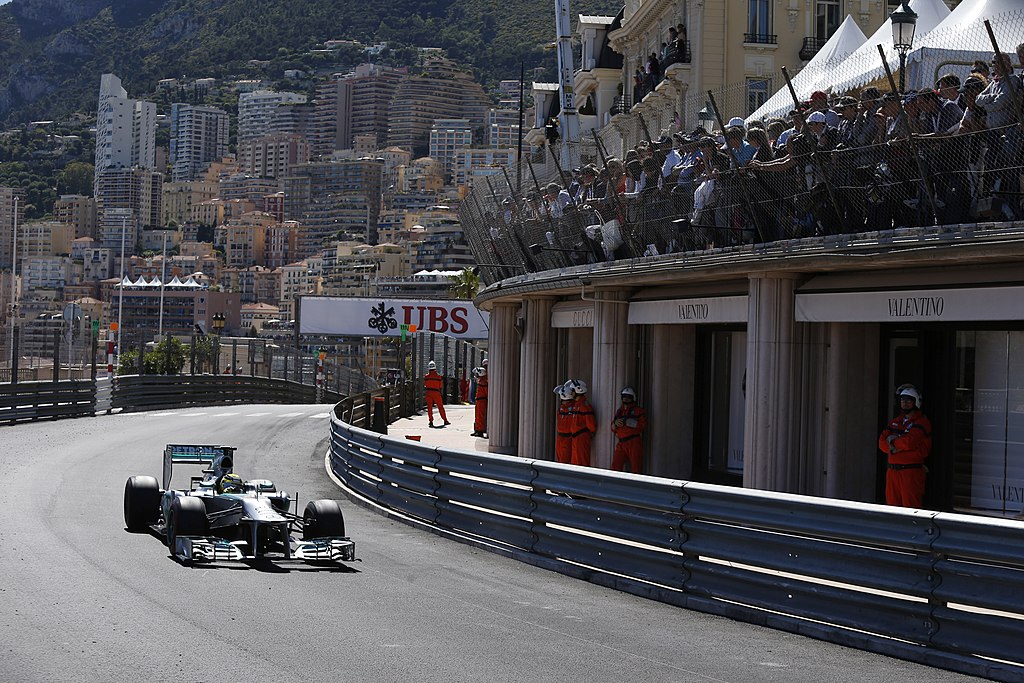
145, 392
942, 589
26, 401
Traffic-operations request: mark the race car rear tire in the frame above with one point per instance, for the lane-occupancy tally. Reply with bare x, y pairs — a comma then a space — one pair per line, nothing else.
322, 519
141, 502
187, 518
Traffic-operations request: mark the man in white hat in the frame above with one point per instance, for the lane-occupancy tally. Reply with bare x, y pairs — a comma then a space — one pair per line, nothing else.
907, 440
628, 426
433, 385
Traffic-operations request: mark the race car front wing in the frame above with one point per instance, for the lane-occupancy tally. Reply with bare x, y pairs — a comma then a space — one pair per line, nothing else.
212, 549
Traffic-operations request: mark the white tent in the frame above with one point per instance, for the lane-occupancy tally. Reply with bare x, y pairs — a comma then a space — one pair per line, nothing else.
865, 65
962, 38
847, 38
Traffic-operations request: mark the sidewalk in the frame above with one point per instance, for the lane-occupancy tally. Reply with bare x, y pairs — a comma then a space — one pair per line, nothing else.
456, 435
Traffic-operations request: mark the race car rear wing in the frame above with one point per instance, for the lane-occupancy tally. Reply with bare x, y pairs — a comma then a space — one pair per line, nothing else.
214, 459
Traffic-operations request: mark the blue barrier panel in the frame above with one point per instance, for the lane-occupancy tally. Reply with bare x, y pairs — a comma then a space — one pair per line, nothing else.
870, 612
509, 500
489, 466
408, 502
862, 565
637, 491
975, 633
987, 586
635, 562
508, 530
407, 451
659, 529
997, 541
409, 477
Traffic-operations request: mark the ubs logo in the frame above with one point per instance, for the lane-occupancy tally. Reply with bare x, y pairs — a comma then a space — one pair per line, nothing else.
383, 318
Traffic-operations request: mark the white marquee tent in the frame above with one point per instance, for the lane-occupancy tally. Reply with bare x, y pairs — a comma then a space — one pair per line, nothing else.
962, 38
847, 38
864, 65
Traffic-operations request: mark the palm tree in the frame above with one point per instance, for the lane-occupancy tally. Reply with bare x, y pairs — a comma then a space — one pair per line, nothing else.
464, 285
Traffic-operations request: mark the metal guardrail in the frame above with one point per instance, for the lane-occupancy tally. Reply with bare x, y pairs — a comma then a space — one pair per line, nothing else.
937, 588
26, 401
144, 392
399, 401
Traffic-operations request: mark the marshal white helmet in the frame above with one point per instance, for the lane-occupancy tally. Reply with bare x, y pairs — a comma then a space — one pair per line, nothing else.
628, 391
911, 391
569, 386
564, 393
431, 365
579, 386
485, 362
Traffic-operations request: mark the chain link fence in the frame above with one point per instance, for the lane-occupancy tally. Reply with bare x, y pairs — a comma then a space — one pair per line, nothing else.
862, 159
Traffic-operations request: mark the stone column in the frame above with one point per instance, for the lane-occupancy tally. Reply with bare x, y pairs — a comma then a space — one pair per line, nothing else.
767, 442
537, 376
670, 401
503, 380
614, 367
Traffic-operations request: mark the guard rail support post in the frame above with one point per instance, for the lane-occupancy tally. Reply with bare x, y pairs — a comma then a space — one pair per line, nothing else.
94, 343
380, 415
234, 357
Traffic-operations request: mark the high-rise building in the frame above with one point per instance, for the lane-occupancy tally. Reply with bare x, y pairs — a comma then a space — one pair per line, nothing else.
199, 136
7, 218
125, 128
441, 91
270, 156
333, 118
373, 88
448, 137
256, 111
127, 199
78, 211
502, 128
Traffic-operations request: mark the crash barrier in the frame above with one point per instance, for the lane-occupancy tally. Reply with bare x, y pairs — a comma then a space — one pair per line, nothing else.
26, 401
397, 401
941, 589
144, 392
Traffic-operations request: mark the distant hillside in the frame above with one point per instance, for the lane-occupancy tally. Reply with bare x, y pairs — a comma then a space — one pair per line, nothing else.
52, 52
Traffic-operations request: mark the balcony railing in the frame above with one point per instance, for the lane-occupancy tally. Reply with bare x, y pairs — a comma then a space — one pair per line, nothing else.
811, 47
760, 38
678, 53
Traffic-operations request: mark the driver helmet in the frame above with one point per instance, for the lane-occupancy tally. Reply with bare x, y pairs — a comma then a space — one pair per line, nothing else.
230, 483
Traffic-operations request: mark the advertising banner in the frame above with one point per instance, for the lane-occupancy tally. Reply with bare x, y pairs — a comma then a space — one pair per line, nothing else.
383, 317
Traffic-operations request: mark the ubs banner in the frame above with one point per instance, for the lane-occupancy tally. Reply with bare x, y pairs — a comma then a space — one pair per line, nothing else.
380, 317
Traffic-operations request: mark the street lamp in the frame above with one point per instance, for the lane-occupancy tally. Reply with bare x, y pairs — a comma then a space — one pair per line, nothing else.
706, 118
218, 327
904, 22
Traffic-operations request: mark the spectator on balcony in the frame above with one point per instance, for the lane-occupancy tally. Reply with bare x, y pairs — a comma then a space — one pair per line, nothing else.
758, 139
653, 71
742, 151
585, 190
819, 102
1004, 137
555, 200
639, 82
980, 68
796, 118
949, 90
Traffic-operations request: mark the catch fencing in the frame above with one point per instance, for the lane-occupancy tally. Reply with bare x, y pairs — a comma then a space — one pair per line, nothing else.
937, 588
884, 159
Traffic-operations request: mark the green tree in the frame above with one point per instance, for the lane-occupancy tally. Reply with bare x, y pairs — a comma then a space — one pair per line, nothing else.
76, 178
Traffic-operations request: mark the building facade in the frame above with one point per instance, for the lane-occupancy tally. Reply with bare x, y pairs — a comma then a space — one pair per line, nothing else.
199, 136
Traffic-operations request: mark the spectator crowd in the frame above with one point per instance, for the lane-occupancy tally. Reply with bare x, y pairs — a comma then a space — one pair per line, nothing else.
839, 163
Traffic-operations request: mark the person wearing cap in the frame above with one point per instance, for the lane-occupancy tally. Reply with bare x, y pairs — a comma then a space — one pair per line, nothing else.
628, 426
906, 441
584, 424
564, 423
480, 409
1004, 137
819, 102
433, 385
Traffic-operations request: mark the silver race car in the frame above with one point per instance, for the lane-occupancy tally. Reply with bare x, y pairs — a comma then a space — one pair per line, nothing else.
223, 517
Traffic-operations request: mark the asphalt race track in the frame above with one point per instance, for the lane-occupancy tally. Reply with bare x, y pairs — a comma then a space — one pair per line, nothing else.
81, 599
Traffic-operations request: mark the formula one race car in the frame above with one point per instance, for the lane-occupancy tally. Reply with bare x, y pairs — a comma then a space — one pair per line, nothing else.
223, 517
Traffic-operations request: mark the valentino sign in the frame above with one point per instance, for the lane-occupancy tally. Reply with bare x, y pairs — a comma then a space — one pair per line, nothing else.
385, 317
932, 305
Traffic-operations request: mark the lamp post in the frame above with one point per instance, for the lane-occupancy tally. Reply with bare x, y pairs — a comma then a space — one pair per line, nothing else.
120, 288
218, 327
706, 118
904, 22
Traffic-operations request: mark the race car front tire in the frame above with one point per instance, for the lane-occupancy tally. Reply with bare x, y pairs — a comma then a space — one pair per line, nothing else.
322, 519
141, 502
187, 518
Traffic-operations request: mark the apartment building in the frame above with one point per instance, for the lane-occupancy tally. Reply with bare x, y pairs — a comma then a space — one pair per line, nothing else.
256, 110
8, 218
199, 136
297, 279
330, 187
177, 199
333, 104
245, 239
125, 128
502, 128
270, 156
448, 137
472, 165
78, 211
373, 88
441, 91
127, 199
44, 238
